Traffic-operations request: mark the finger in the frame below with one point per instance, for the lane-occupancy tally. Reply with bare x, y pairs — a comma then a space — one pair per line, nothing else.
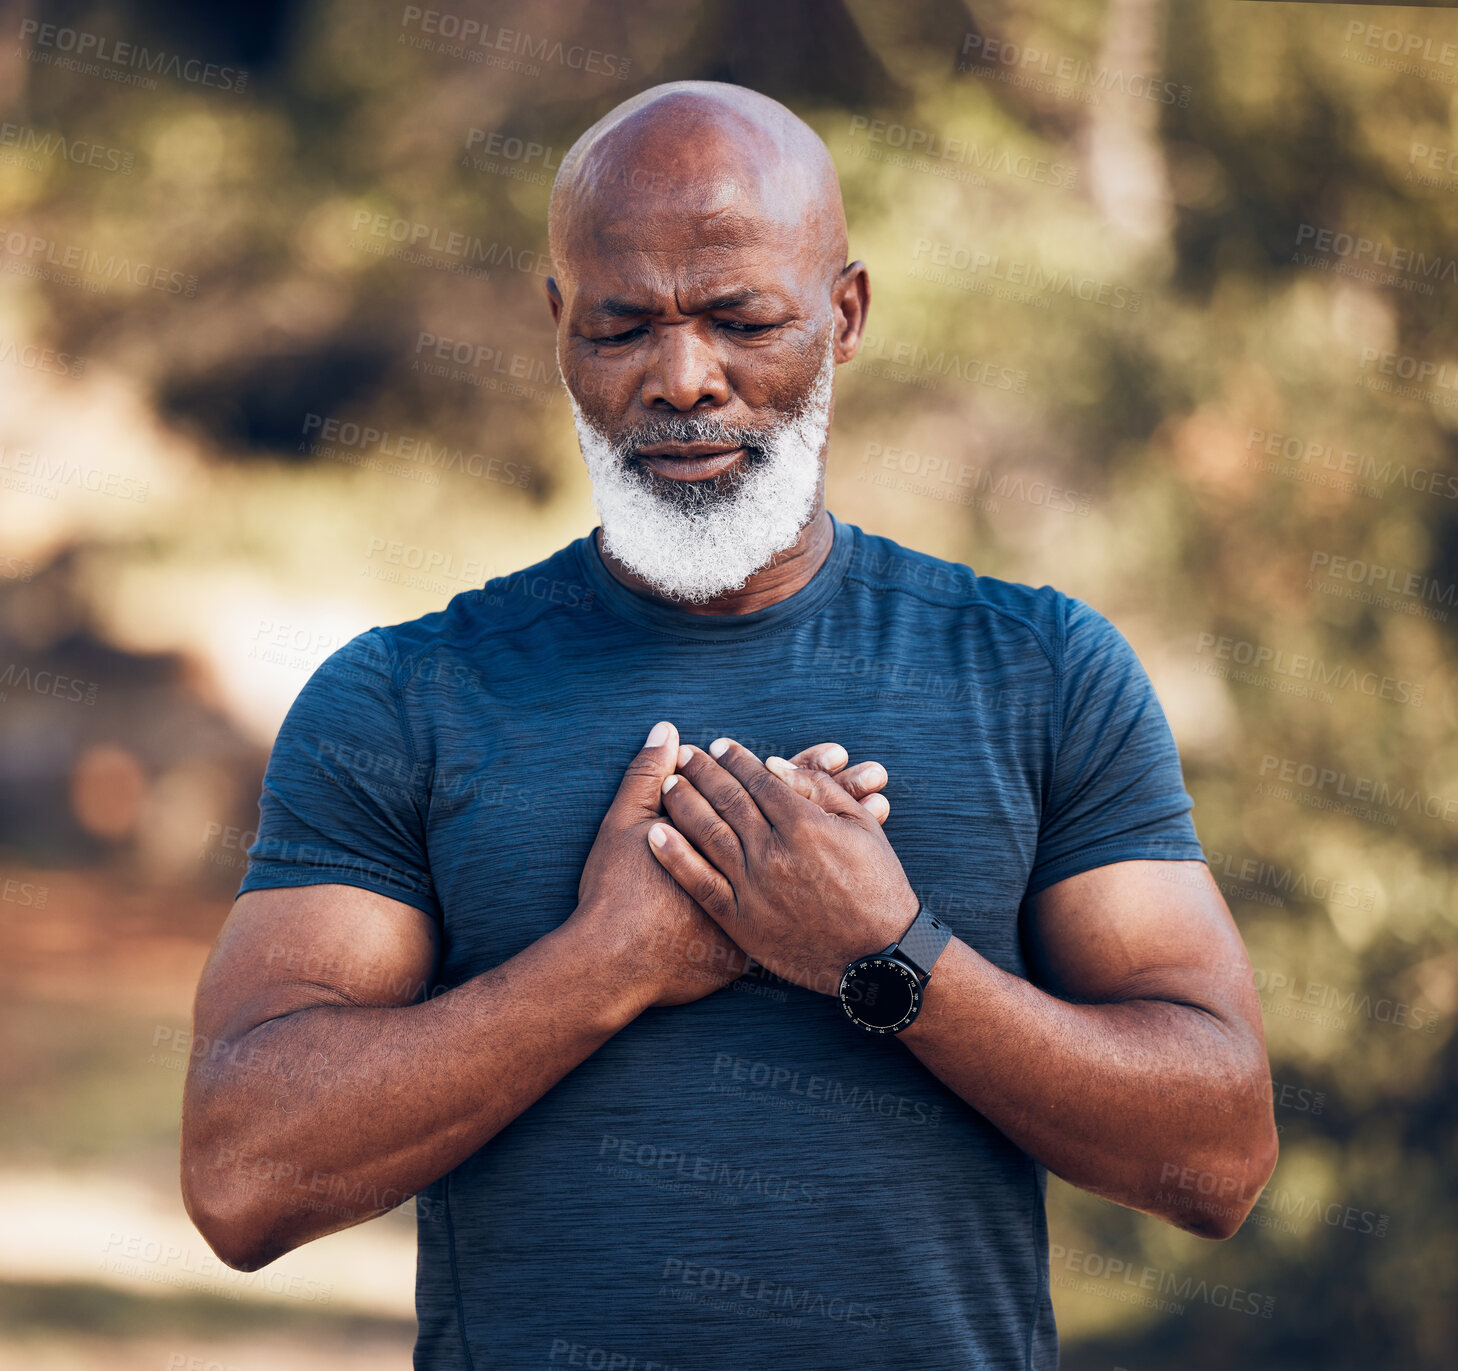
730, 799
814, 786
865, 778
698, 821
639, 790
778, 803
698, 880
826, 757
877, 806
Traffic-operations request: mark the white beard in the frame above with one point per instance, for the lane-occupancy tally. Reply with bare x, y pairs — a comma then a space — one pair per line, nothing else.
701, 543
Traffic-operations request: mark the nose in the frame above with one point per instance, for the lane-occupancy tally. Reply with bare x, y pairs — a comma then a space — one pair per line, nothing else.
683, 371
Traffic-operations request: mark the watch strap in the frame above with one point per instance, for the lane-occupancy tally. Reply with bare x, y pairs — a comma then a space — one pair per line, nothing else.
923, 942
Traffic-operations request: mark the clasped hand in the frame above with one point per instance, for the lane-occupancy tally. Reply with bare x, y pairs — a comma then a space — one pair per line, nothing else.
795, 871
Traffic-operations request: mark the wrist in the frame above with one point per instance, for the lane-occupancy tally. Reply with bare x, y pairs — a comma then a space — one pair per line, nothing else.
609, 978
883, 992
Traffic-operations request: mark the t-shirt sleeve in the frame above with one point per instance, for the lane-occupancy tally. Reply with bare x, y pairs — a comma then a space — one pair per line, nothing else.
1117, 791
344, 795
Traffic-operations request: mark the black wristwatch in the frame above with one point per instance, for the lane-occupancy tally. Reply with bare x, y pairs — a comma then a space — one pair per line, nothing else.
882, 993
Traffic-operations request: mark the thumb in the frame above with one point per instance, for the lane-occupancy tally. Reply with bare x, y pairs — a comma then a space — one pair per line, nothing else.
814, 785
639, 790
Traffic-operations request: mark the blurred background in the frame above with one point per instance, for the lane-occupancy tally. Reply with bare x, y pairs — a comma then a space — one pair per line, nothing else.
1165, 313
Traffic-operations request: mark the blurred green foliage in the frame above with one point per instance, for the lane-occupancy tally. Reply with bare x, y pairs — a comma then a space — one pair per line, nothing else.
1097, 258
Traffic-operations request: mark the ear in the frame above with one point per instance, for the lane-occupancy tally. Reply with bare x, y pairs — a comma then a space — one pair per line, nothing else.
850, 303
554, 298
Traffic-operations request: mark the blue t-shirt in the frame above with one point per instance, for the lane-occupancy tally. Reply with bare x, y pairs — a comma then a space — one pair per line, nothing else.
747, 1180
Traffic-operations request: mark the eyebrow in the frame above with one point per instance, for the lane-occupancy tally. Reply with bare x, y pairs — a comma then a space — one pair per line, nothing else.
616, 308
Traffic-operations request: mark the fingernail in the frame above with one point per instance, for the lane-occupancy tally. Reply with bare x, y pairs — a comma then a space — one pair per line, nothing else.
780, 767
836, 755
668, 783
718, 747
658, 835
658, 735
685, 755
874, 774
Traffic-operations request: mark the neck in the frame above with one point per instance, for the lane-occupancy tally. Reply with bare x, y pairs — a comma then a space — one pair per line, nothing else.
781, 577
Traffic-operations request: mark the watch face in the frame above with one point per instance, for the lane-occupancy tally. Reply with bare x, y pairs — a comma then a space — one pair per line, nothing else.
880, 994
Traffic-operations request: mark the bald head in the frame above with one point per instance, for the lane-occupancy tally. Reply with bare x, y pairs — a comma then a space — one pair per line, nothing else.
702, 299
705, 149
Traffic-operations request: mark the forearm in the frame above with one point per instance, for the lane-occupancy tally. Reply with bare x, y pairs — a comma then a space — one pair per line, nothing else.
1126, 1099
316, 1120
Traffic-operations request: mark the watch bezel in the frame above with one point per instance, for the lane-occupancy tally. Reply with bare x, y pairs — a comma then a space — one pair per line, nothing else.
905, 969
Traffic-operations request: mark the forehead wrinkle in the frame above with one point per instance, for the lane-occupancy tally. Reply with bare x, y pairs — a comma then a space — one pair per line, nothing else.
629, 238
640, 275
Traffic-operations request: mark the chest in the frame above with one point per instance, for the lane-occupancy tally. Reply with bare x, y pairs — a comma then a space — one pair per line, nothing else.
531, 761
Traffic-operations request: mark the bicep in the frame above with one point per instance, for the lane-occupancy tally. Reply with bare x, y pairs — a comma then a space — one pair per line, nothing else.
1142, 930
292, 948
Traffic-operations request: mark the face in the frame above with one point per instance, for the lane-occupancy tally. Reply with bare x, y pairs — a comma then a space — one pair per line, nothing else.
698, 343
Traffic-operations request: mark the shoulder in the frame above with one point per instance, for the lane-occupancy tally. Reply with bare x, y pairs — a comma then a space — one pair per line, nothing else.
1049, 617
442, 641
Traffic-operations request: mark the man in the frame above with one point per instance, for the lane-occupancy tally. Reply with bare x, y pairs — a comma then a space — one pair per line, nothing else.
604, 1023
